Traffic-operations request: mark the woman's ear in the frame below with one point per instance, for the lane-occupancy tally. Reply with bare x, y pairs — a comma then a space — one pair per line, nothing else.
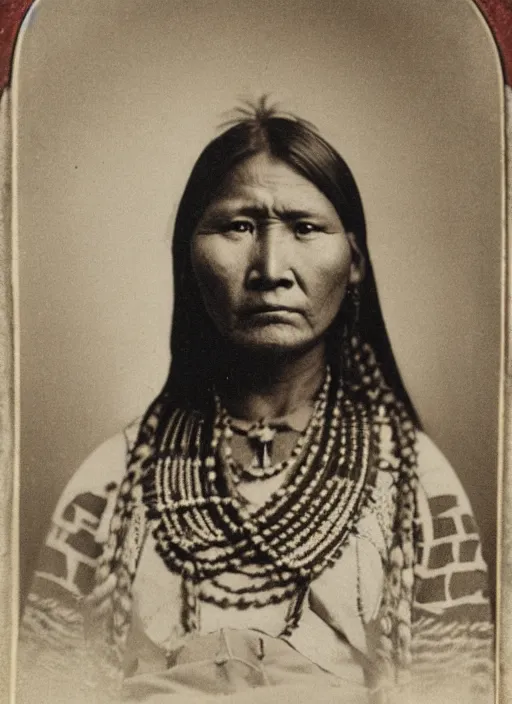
358, 265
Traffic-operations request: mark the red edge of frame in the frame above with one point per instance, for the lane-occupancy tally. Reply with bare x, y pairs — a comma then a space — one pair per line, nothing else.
12, 13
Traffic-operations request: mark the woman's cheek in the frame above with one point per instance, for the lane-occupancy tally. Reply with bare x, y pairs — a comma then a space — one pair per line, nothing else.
330, 271
216, 272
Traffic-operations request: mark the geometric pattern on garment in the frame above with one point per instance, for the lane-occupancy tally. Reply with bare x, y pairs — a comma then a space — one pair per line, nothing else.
81, 519
452, 572
70, 553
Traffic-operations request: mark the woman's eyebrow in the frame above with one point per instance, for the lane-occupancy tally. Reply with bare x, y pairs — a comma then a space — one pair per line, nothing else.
258, 211
292, 214
230, 209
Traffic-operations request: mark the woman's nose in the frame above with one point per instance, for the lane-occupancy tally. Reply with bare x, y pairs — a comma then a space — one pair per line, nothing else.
270, 265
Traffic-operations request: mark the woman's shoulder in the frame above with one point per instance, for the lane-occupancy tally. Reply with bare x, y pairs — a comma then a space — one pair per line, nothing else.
92, 487
436, 475
451, 571
104, 467
443, 504
81, 520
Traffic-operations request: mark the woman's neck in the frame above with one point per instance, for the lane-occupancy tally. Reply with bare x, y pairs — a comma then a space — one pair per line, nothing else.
273, 387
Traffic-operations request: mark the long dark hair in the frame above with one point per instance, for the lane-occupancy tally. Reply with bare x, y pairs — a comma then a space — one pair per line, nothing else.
195, 342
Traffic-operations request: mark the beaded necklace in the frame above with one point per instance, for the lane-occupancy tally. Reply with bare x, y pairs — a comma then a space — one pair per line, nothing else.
206, 533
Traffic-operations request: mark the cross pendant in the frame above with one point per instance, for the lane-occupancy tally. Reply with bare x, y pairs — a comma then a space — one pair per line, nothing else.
261, 437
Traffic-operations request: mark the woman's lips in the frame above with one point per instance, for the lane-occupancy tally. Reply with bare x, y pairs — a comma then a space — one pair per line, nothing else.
269, 308
266, 314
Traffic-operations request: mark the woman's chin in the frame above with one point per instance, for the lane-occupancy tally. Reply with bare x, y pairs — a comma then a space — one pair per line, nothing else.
278, 339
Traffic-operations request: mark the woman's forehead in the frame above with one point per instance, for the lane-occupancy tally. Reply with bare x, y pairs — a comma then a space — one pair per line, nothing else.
263, 181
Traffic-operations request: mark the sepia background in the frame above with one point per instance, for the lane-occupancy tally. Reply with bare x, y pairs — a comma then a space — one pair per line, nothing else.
114, 101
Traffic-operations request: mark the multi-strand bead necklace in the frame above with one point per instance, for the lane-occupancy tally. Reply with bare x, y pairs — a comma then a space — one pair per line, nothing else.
207, 534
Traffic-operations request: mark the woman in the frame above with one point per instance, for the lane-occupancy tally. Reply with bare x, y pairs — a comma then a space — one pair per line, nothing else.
277, 521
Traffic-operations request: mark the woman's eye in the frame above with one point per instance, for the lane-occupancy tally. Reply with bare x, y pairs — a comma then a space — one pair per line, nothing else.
306, 228
239, 226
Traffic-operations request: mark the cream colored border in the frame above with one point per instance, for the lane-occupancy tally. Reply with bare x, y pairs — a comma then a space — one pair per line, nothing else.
8, 473
504, 527
9, 412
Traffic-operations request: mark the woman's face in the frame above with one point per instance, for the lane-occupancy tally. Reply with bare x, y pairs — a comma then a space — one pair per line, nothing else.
272, 259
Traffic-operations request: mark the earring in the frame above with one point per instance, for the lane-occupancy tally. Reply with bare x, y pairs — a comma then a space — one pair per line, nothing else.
351, 342
354, 305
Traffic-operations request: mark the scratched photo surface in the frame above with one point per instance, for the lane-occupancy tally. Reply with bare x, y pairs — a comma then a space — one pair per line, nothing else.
113, 104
